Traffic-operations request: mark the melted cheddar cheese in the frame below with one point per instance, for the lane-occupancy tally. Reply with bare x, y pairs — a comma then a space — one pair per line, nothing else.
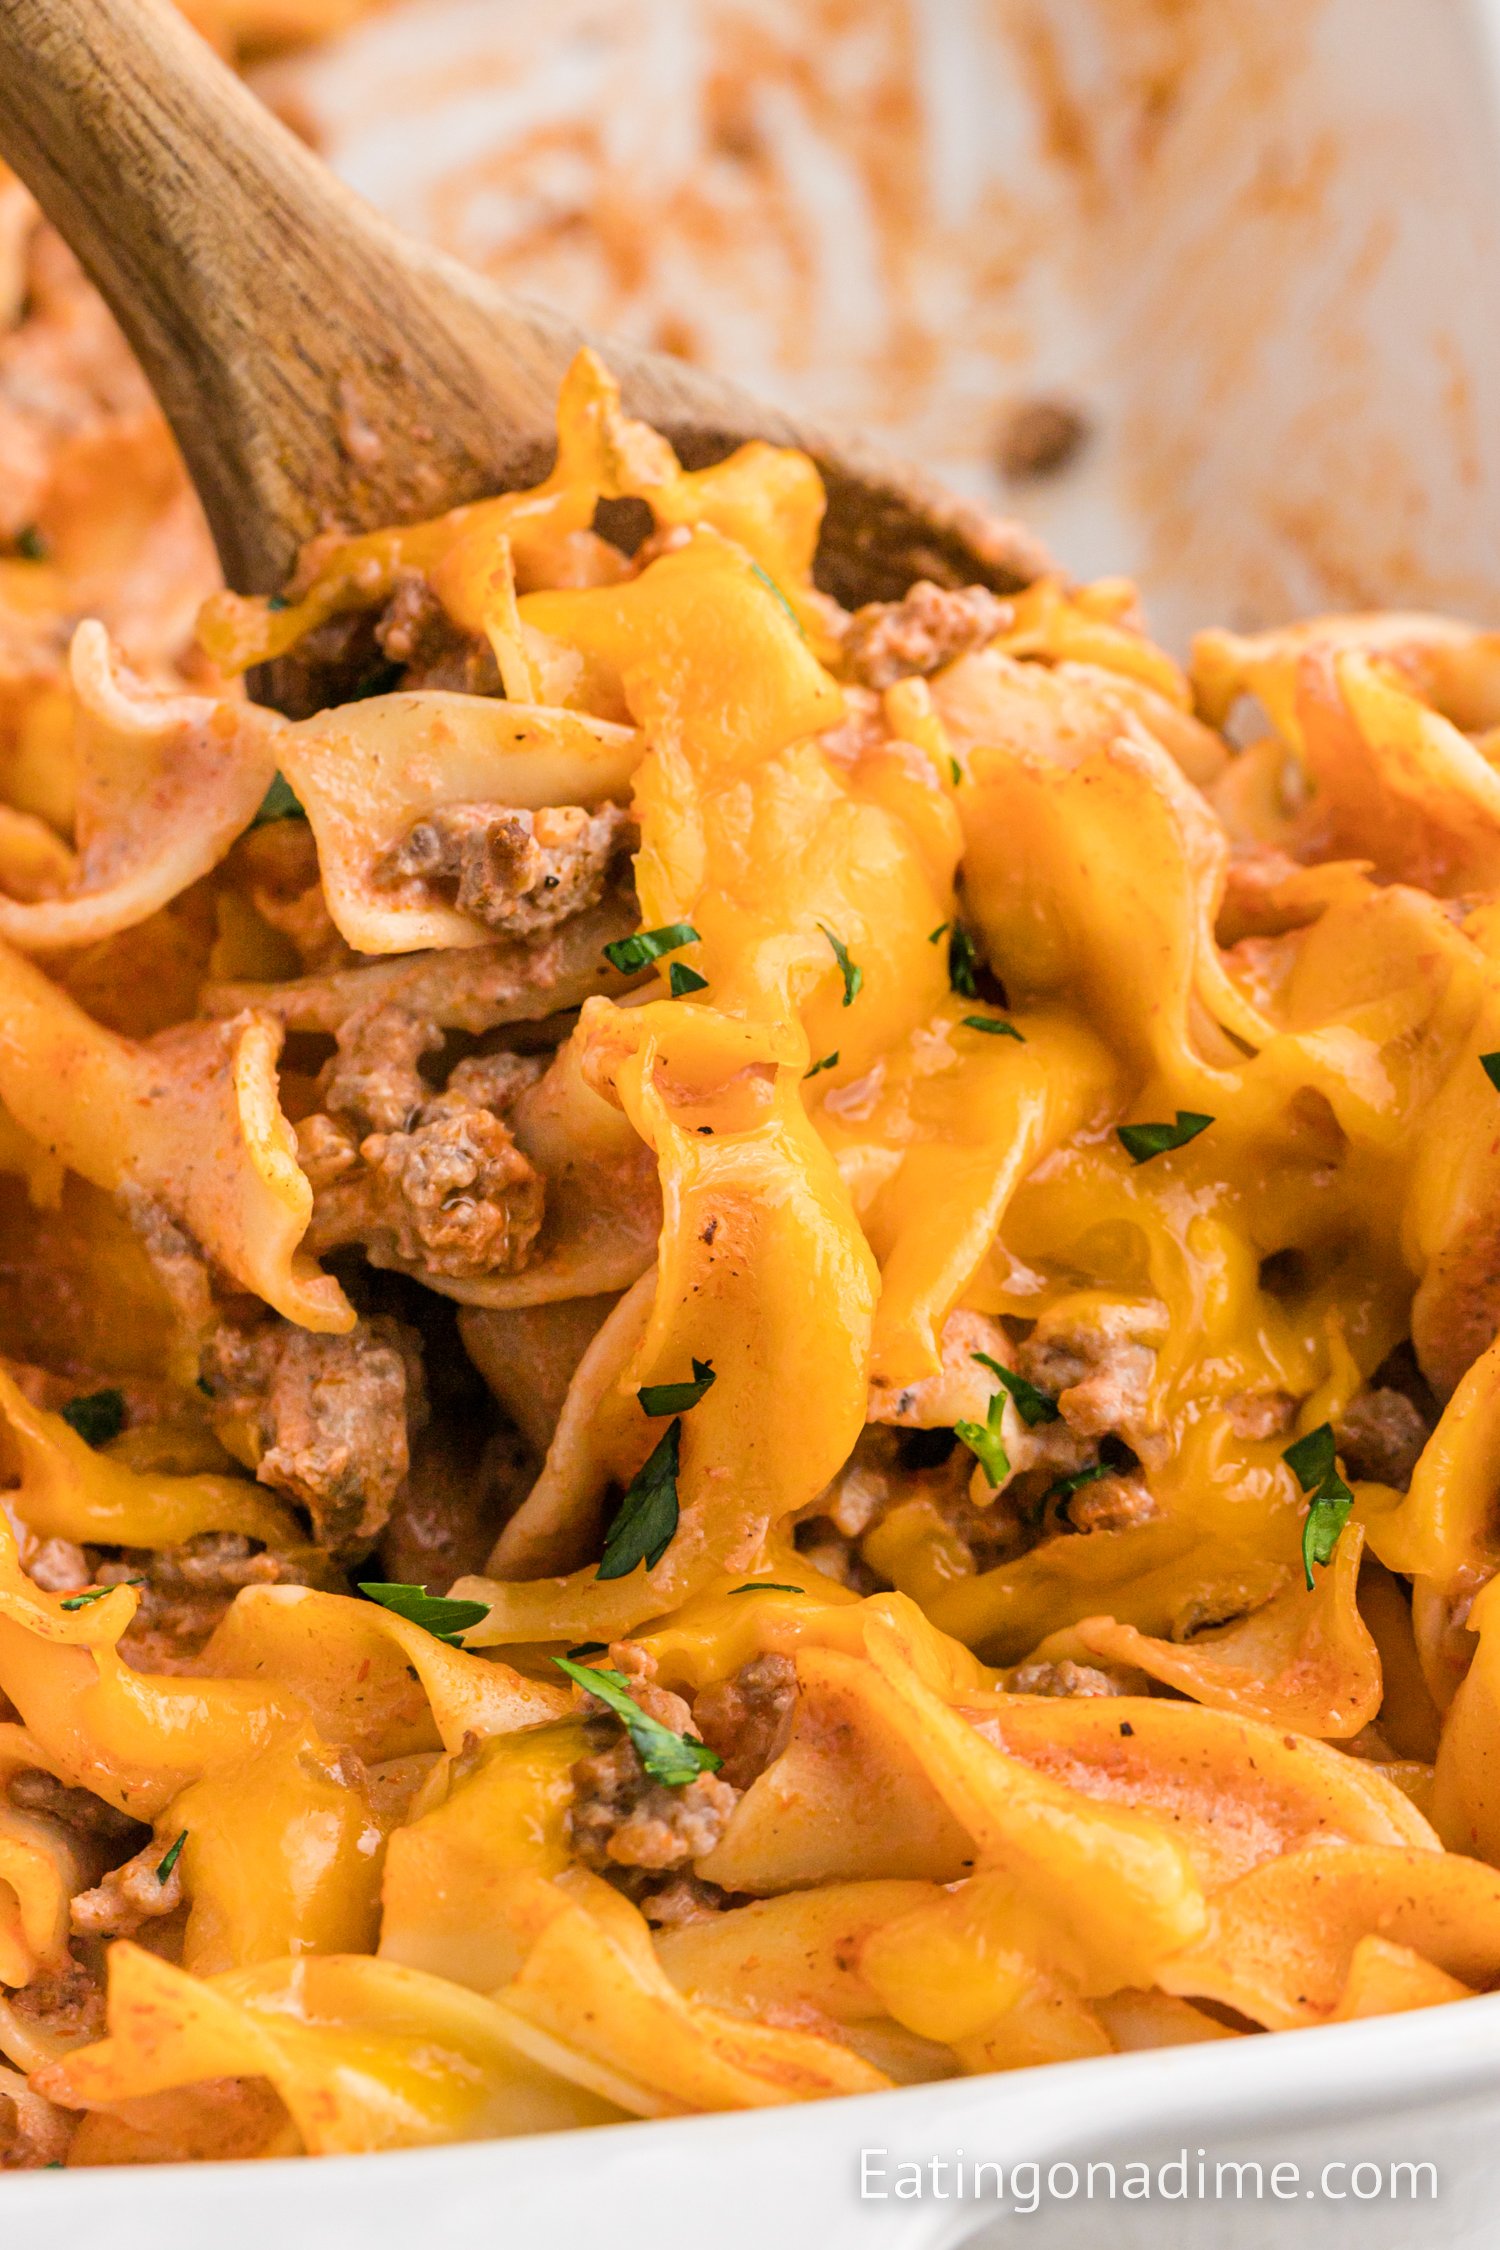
794, 1320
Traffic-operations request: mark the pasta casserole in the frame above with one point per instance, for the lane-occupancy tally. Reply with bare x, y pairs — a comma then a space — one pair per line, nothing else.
748, 1351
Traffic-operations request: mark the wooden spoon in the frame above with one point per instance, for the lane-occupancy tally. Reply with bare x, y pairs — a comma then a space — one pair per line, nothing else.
320, 369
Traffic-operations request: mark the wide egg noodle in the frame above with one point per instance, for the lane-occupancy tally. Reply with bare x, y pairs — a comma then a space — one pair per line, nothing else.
1058, 1761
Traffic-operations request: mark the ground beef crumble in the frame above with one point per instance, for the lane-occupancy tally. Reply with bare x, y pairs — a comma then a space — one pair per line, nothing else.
129, 1896
1380, 1435
1258, 1415
686, 1898
33, 2133
890, 641
426, 1179
188, 1588
748, 1718
66, 2003
415, 631
518, 872
36, 1791
1098, 1362
374, 1082
620, 1818
329, 1418
1064, 1678
184, 1590
455, 1195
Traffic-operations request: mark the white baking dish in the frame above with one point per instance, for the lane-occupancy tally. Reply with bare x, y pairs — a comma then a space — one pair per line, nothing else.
1258, 241
1406, 2089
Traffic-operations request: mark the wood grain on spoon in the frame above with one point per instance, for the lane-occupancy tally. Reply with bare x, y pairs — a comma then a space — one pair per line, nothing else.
321, 369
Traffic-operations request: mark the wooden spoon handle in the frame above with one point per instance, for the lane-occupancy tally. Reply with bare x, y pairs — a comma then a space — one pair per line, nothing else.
315, 365
319, 368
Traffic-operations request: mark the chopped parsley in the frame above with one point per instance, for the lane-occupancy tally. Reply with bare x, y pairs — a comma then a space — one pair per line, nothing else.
97, 1594
1326, 1518
672, 1759
1312, 1462
1115, 1458
280, 802
984, 1442
996, 1026
97, 1417
1312, 1458
684, 980
30, 545
956, 770
934, 935
627, 954
1490, 1065
1065, 1487
764, 1586
853, 974
677, 1398
824, 1062
767, 580
589, 1648
164, 1870
646, 1518
1032, 1405
435, 1613
1142, 1142
963, 963
278, 601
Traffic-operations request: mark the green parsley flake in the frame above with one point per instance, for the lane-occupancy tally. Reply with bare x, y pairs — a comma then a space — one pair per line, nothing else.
164, 1870
677, 1398
1065, 1487
628, 954
280, 802
963, 963
97, 1417
984, 1442
853, 974
764, 1586
646, 1519
684, 980
589, 1648
1326, 1518
30, 545
1312, 1462
825, 1062
995, 1025
97, 1594
1490, 1065
1115, 1458
767, 580
1032, 1405
934, 935
1142, 1142
1312, 1458
672, 1759
957, 772
435, 1613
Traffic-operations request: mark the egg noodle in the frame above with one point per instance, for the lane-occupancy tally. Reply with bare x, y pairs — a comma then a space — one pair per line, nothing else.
750, 1352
